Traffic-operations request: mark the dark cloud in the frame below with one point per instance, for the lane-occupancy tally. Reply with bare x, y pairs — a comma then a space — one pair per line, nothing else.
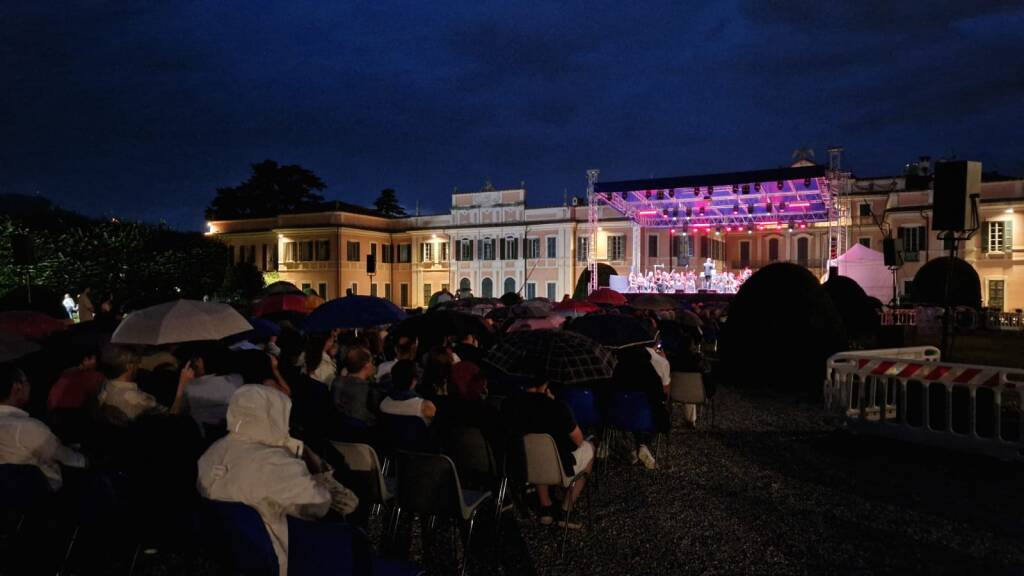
143, 109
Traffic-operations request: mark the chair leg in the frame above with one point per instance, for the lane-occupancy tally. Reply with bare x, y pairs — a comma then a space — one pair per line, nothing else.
502, 489
71, 546
469, 540
568, 517
135, 559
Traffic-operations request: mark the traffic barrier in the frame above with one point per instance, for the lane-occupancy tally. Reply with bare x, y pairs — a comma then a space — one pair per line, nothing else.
911, 395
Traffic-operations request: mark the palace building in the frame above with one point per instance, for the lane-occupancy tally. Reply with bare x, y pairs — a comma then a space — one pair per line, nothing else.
491, 242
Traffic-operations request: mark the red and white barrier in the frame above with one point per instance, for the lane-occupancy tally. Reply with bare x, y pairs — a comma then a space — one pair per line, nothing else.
910, 394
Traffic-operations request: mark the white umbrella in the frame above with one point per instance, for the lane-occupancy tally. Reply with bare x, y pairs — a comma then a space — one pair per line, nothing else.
13, 347
180, 321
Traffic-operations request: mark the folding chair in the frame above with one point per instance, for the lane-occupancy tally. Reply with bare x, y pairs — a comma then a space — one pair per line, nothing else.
630, 411
544, 468
252, 552
687, 388
362, 458
317, 548
474, 459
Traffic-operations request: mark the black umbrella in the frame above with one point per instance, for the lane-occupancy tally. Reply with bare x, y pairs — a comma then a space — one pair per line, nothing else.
558, 356
432, 327
281, 287
613, 330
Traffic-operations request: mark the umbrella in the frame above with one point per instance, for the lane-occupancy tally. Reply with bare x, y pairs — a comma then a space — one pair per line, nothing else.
281, 287
689, 318
478, 306
432, 327
510, 299
653, 302
440, 298
13, 347
576, 307
559, 356
180, 321
607, 296
545, 323
353, 312
30, 325
280, 303
613, 331
531, 309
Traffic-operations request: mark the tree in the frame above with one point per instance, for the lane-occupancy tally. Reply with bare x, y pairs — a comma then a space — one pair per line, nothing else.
242, 283
387, 203
604, 273
271, 189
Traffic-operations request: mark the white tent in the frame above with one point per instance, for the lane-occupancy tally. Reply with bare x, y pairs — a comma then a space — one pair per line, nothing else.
867, 268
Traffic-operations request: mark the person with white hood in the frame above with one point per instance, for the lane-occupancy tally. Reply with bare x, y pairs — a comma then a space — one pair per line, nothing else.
260, 465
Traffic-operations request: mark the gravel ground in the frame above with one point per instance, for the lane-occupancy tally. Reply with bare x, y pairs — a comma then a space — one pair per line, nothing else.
773, 488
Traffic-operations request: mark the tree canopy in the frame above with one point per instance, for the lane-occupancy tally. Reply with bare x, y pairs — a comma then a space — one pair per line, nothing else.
271, 189
387, 203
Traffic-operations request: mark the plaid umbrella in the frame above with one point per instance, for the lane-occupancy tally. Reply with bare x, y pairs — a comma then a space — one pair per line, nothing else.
613, 330
561, 357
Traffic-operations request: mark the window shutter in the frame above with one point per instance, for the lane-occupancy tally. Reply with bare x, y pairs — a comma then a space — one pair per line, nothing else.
984, 236
924, 239
501, 247
493, 247
480, 249
1008, 236
458, 250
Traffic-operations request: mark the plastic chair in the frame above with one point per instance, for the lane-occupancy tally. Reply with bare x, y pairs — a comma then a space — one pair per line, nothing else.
241, 526
687, 388
402, 433
583, 404
362, 458
336, 549
544, 468
630, 412
475, 459
428, 485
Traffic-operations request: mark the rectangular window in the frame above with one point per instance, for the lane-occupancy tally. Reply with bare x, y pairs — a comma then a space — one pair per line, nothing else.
486, 248
323, 250
387, 253
465, 249
996, 237
865, 209
914, 241
354, 288
531, 290
445, 253
321, 289
306, 286
532, 248
352, 251
427, 293
404, 291
264, 263
582, 249
426, 252
373, 289
273, 257
387, 291
444, 287
652, 246
617, 247
704, 242
552, 291
865, 242
996, 290
404, 253
511, 251
290, 252
908, 287
306, 251
373, 249
552, 246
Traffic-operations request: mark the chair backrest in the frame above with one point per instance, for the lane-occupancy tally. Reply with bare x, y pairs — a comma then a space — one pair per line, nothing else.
468, 448
428, 484
22, 487
630, 410
687, 388
543, 464
317, 548
251, 549
583, 404
362, 459
407, 433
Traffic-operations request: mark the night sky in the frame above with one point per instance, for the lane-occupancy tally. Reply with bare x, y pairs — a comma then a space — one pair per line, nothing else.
141, 109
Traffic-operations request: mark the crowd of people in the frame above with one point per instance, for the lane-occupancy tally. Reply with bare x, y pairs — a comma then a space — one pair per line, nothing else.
253, 418
688, 281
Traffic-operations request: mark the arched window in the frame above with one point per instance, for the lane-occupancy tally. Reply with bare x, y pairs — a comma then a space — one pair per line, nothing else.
773, 249
487, 288
510, 285
465, 289
803, 245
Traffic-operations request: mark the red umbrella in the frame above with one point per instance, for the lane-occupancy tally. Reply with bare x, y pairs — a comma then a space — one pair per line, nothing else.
576, 307
607, 296
280, 303
30, 325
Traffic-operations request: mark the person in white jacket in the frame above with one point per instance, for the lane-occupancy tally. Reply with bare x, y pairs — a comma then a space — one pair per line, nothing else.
260, 465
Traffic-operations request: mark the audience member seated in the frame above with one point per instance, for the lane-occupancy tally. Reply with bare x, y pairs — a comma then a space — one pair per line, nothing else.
25, 440
402, 399
260, 465
77, 386
405, 349
436, 373
467, 348
537, 412
355, 394
206, 397
120, 400
318, 358
635, 370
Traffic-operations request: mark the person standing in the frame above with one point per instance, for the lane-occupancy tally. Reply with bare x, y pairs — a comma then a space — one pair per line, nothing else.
70, 306
86, 310
709, 272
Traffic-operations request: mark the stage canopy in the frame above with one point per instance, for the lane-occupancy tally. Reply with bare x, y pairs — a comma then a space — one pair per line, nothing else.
760, 199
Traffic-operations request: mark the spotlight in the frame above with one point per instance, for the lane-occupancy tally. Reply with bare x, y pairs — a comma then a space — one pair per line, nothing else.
735, 209
803, 225
647, 193
790, 226
768, 207
807, 182
718, 231
675, 212
672, 193
728, 228
746, 188
711, 190
625, 195
735, 188
750, 208
779, 185
664, 212
750, 230
782, 206
661, 194
696, 191
689, 212
757, 186
701, 210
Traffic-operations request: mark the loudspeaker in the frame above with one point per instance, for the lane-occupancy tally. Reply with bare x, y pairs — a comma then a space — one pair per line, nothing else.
22, 250
371, 264
889, 252
833, 271
955, 182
